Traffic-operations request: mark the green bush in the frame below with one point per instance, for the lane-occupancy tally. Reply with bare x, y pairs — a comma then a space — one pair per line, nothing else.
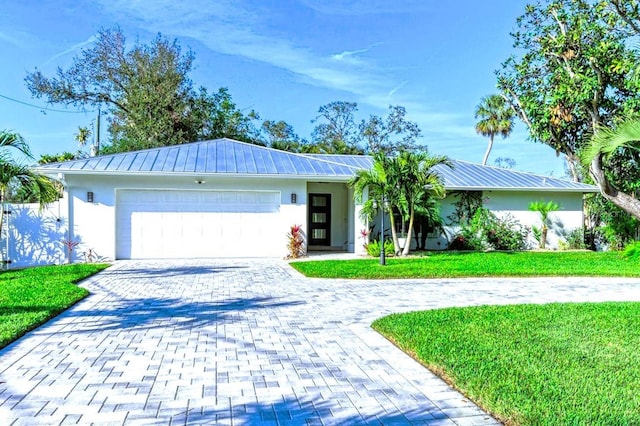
573, 240
487, 231
373, 248
632, 251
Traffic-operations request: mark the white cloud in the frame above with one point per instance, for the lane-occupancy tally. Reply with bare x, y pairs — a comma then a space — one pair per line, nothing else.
235, 28
230, 29
395, 89
72, 49
12, 40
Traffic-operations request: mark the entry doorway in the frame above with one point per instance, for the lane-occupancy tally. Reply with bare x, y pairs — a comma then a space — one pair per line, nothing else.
319, 220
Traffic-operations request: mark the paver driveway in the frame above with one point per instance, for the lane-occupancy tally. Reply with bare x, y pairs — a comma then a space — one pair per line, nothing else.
247, 342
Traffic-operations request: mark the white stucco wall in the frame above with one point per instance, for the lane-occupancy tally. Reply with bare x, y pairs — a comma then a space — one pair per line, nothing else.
569, 217
94, 224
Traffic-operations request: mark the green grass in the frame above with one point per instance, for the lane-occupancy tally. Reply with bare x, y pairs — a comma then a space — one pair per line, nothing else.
557, 364
478, 264
30, 297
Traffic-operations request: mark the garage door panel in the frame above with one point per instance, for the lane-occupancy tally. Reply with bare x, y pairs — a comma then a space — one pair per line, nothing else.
186, 224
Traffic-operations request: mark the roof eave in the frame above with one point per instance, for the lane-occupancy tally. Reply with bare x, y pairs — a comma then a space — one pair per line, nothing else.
56, 172
523, 188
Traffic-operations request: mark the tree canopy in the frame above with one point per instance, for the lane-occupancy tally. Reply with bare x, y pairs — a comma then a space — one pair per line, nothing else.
391, 134
147, 93
337, 131
570, 76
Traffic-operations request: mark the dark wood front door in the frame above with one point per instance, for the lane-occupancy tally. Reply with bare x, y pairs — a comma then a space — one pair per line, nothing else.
319, 219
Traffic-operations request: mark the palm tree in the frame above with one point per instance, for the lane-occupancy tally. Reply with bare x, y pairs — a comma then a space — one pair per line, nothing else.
381, 185
495, 117
405, 181
418, 182
544, 208
14, 176
82, 136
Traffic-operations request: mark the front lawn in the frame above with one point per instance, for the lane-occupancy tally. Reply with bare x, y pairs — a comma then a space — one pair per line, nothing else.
30, 297
477, 264
555, 364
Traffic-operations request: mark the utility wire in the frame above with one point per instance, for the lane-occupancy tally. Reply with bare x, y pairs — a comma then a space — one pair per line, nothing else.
45, 108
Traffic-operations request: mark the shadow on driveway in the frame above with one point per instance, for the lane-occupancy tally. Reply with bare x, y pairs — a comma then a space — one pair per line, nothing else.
170, 271
150, 313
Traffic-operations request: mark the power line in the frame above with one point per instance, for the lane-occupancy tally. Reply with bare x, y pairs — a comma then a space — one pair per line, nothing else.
45, 108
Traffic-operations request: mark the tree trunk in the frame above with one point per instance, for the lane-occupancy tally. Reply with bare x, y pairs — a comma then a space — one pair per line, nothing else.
543, 236
394, 235
407, 242
486, 154
624, 201
572, 162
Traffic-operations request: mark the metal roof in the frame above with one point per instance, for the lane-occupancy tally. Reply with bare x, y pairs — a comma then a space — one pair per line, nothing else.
219, 156
464, 175
230, 157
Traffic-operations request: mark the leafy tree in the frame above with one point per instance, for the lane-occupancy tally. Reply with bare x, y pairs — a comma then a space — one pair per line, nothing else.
217, 116
337, 131
146, 89
495, 117
629, 11
280, 135
391, 134
148, 94
59, 158
544, 208
571, 79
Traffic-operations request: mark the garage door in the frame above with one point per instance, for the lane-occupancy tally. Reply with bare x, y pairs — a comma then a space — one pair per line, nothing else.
189, 224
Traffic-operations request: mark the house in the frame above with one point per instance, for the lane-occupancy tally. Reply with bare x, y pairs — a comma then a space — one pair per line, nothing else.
228, 198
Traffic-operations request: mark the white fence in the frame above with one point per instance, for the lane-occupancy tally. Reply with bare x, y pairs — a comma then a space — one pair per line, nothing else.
32, 237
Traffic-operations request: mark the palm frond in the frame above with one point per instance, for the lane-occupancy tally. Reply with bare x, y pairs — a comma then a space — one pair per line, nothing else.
607, 141
15, 141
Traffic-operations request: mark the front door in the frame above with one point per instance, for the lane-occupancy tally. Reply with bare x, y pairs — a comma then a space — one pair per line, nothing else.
319, 219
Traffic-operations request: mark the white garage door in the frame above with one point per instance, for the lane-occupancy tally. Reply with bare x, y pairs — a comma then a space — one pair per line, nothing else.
188, 224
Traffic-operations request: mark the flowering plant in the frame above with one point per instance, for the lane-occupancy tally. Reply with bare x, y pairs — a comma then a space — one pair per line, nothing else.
364, 234
295, 242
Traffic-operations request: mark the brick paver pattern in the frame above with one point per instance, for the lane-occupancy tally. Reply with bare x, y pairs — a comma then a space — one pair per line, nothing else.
248, 342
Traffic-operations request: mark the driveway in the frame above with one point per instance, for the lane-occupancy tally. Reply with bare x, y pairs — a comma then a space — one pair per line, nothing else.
248, 342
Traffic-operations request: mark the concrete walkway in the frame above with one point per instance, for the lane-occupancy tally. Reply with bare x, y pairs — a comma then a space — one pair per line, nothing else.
248, 342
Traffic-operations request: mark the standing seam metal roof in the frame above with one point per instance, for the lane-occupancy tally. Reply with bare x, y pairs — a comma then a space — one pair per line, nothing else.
230, 157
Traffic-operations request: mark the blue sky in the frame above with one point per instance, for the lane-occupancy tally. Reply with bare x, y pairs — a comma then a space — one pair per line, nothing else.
286, 58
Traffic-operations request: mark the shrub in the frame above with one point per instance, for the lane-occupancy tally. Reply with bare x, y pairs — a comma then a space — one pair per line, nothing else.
487, 231
573, 240
632, 251
295, 242
373, 248
507, 233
